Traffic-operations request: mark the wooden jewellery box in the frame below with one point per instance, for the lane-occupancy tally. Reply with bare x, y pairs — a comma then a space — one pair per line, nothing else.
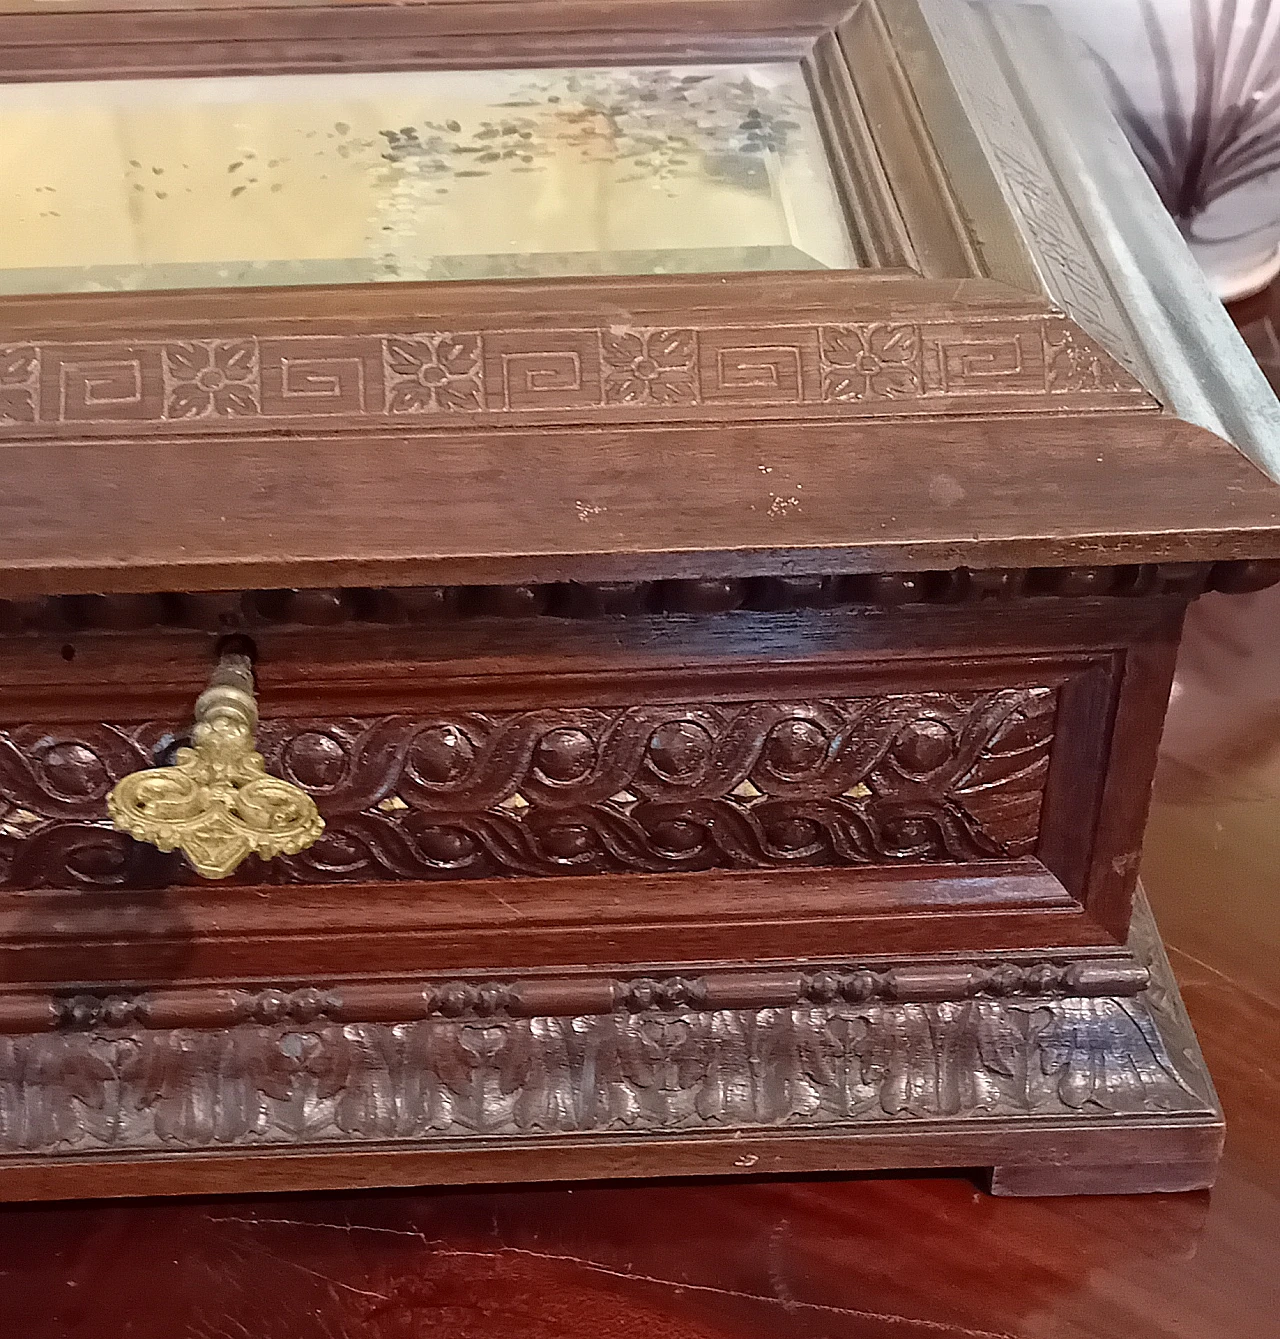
588, 589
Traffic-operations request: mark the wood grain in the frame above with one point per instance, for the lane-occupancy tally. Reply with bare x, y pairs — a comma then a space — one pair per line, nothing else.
652, 504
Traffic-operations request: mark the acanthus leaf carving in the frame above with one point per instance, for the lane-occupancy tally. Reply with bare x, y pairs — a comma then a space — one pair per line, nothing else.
810, 1066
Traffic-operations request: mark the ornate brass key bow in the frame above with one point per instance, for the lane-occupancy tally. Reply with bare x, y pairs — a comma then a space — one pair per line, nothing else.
216, 802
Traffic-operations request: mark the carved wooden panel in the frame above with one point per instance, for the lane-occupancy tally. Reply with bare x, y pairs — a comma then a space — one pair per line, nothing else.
904, 778
432, 377
834, 1067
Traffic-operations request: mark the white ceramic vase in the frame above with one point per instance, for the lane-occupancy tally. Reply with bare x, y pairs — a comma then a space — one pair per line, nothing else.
1196, 84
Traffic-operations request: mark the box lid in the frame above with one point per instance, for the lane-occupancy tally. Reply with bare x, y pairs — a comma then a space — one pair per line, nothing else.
929, 313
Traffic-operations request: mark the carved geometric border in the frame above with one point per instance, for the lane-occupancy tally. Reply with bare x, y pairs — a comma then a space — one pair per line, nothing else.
434, 377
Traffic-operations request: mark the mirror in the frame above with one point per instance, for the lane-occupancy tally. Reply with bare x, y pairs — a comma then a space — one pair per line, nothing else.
396, 177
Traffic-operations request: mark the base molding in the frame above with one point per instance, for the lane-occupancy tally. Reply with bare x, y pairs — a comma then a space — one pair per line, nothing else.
946, 1147
1096, 1094
1119, 1178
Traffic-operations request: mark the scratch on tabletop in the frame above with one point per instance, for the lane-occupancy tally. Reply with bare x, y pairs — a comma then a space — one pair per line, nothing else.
448, 1252
324, 1278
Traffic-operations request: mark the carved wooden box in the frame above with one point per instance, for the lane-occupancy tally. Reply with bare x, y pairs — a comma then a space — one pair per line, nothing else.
688, 509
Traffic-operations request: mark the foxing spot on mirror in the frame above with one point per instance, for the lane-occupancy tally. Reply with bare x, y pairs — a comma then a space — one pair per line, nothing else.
398, 177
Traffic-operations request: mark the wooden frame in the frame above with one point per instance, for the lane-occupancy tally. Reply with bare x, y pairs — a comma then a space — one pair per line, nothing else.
894, 177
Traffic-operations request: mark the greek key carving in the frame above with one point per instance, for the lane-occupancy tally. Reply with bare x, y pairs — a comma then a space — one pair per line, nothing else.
533, 370
322, 376
102, 383
764, 366
881, 368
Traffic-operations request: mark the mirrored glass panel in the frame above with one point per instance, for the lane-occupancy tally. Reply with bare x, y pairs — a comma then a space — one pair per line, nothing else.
396, 177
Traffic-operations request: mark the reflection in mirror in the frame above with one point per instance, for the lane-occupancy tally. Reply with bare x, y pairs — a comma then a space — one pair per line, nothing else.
396, 177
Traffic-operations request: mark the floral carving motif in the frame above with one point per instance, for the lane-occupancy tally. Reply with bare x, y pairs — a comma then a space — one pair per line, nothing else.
874, 362
54, 1090
432, 374
211, 379
19, 375
443, 1078
1072, 364
650, 367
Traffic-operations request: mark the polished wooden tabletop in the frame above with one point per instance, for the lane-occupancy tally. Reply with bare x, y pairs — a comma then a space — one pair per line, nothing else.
831, 1258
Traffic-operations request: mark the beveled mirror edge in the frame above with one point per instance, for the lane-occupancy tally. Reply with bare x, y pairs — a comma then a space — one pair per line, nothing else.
859, 168
924, 204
